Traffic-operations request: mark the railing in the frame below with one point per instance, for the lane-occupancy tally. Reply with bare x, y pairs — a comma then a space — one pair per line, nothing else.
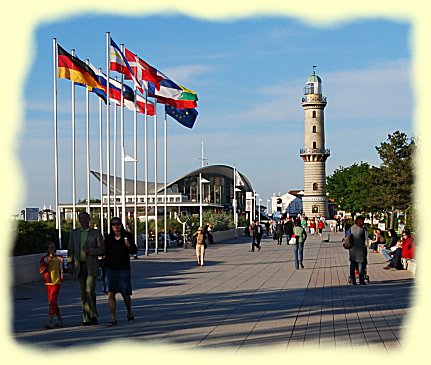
311, 151
321, 99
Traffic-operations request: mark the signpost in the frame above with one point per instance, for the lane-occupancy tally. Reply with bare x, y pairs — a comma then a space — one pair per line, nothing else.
32, 214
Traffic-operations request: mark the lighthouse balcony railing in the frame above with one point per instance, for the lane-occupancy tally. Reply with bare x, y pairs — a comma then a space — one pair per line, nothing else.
314, 151
321, 99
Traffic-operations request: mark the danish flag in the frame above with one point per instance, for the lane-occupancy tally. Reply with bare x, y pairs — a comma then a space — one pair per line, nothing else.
142, 70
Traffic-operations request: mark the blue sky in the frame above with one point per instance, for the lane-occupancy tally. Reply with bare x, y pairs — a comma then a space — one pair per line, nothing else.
249, 75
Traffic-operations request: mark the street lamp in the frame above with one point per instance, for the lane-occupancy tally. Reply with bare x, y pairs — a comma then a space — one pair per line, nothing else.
201, 181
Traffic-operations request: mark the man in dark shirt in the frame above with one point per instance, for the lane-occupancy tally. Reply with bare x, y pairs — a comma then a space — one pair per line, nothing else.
288, 228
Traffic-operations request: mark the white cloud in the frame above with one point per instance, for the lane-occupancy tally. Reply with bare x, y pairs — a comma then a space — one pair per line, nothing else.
187, 73
380, 91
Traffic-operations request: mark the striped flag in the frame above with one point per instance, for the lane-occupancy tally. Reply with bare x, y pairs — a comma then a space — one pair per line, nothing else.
72, 68
171, 93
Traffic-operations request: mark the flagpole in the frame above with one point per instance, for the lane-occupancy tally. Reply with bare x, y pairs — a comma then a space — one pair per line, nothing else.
156, 231
123, 172
115, 159
101, 165
57, 213
235, 219
146, 174
108, 133
135, 183
166, 183
200, 200
87, 100
73, 153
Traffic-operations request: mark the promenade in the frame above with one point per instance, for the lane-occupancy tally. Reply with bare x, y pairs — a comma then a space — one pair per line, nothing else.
240, 300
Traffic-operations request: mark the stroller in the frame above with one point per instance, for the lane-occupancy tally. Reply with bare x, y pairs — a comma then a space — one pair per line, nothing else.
366, 277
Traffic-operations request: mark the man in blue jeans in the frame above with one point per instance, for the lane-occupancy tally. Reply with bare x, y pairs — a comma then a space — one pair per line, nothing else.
298, 248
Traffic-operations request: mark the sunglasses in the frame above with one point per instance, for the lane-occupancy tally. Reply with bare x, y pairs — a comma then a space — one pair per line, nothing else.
116, 224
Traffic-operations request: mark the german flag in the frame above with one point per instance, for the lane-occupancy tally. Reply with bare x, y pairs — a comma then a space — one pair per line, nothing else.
72, 68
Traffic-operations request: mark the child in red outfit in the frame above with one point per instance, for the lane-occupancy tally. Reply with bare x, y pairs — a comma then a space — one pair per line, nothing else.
51, 268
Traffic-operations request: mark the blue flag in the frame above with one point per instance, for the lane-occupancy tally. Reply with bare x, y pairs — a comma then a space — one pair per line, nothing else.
186, 117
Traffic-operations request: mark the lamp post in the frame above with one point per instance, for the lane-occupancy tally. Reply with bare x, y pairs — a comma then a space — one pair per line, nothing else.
127, 158
201, 181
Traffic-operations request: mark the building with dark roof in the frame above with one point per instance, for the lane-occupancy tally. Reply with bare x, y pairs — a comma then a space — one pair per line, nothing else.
182, 193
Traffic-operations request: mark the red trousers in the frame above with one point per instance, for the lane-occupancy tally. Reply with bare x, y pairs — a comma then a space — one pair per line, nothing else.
52, 292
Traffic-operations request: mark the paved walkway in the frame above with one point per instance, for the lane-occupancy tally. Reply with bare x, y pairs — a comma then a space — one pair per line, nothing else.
239, 300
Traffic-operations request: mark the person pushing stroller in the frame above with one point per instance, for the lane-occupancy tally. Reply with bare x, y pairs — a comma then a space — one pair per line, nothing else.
358, 251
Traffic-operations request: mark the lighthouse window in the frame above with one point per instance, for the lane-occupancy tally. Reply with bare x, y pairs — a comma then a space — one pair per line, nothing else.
314, 129
315, 186
314, 145
315, 209
314, 114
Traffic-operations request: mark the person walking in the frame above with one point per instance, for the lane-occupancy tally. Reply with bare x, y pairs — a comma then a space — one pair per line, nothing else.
119, 245
358, 251
208, 233
85, 245
51, 268
288, 228
298, 248
258, 232
200, 239
320, 226
279, 231
255, 239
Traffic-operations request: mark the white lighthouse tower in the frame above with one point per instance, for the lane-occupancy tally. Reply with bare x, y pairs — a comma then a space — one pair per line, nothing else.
314, 153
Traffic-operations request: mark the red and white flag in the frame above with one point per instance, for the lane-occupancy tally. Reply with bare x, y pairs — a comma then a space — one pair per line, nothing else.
142, 70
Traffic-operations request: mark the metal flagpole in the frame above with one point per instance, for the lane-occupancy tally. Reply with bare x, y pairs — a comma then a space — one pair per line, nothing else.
115, 159
156, 232
235, 219
57, 212
135, 171
146, 174
101, 165
166, 180
123, 154
73, 153
200, 200
87, 100
108, 134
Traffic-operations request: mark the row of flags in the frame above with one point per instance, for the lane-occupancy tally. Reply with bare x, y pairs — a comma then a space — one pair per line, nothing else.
180, 102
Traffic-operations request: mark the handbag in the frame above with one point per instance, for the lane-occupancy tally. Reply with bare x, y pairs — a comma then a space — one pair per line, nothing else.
292, 240
348, 241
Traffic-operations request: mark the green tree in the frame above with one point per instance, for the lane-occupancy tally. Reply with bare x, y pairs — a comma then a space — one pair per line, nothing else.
349, 187
397, 172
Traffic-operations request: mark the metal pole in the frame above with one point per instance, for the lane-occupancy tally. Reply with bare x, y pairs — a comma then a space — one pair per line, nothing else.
73, 153
57, 212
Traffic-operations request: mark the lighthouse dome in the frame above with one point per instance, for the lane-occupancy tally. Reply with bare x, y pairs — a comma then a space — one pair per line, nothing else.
313, 85
314, 78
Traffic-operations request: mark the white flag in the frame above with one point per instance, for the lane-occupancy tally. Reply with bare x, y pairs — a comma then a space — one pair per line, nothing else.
239, 180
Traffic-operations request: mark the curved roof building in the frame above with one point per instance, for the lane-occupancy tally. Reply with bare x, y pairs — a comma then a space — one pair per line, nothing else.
217, 190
